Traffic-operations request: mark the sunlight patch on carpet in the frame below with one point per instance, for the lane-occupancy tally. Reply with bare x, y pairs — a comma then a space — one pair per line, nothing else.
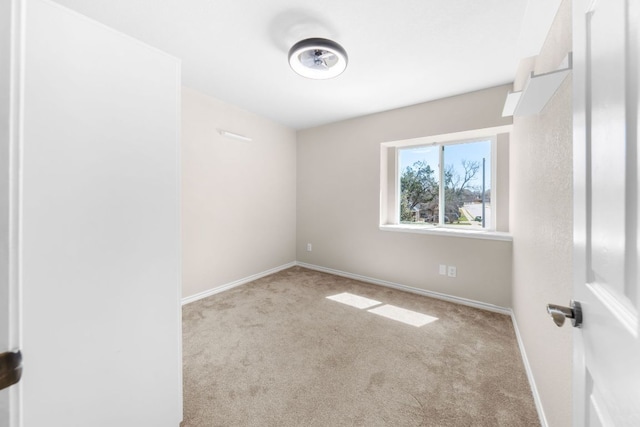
409, 317
354, 300
389, 311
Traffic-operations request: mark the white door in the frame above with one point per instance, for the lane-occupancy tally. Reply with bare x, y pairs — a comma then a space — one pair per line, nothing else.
99, 247
606, 195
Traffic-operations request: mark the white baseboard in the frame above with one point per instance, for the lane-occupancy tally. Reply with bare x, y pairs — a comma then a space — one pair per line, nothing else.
423, 292
431, 294
527, 367
227, 286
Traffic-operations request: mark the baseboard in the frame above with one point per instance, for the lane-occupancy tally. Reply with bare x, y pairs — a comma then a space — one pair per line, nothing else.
423, 292
527, 367
236, 283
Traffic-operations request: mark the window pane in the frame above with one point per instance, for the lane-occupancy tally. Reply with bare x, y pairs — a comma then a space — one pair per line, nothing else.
467, 166
419, 182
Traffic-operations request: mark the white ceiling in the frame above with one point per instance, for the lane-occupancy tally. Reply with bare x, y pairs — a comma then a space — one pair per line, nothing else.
401, 52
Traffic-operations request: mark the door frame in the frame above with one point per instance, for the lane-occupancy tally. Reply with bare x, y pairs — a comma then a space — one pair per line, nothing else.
579, 199
11, 72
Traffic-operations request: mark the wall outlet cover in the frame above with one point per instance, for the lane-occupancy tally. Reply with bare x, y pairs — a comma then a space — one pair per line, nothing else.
452, 272
443, 269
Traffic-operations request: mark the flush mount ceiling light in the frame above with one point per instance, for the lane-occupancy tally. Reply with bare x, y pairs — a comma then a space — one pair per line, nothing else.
318, 58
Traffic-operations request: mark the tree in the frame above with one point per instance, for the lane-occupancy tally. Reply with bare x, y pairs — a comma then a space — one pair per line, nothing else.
418, 184
456, 187
417, 187
406, 214
456, 183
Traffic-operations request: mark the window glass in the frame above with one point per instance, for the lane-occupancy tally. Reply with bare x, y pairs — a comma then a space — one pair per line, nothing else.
467, 171
419, 185
463, 187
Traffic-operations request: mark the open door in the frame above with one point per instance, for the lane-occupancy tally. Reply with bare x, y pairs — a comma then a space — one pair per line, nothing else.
606, 194
97, 224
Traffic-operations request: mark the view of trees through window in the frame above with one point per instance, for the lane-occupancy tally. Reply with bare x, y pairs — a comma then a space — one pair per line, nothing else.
459, 188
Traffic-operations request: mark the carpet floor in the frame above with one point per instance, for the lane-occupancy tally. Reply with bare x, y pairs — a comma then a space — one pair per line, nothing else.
278, 352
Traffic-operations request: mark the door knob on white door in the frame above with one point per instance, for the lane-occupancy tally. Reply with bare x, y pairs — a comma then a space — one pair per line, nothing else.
559, 313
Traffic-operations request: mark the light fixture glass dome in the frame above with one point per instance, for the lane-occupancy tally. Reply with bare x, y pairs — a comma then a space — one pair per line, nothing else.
318, 58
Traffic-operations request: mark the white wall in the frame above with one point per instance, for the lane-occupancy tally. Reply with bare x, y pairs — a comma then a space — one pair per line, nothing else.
541, 224
238, 198
339, 197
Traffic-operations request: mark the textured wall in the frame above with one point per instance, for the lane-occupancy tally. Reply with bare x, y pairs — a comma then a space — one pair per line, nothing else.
541, 224
238, 198
339, 197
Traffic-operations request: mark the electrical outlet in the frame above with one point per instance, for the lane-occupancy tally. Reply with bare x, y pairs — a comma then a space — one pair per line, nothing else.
452, 271
309, 247
443, 270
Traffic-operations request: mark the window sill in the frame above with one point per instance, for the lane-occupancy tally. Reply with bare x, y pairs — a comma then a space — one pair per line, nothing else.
451, 232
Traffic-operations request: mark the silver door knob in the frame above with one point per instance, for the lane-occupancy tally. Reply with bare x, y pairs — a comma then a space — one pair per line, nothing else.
559, 313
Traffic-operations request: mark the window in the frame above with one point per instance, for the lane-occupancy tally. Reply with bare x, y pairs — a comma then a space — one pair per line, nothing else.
453, 184
446, 185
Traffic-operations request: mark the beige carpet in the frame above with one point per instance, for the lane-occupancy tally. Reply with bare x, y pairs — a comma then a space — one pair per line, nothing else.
277, 352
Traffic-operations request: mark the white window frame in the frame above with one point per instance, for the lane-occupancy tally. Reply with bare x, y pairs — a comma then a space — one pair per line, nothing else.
390, 184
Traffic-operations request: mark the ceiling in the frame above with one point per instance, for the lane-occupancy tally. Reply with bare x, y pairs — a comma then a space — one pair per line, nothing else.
400, 52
